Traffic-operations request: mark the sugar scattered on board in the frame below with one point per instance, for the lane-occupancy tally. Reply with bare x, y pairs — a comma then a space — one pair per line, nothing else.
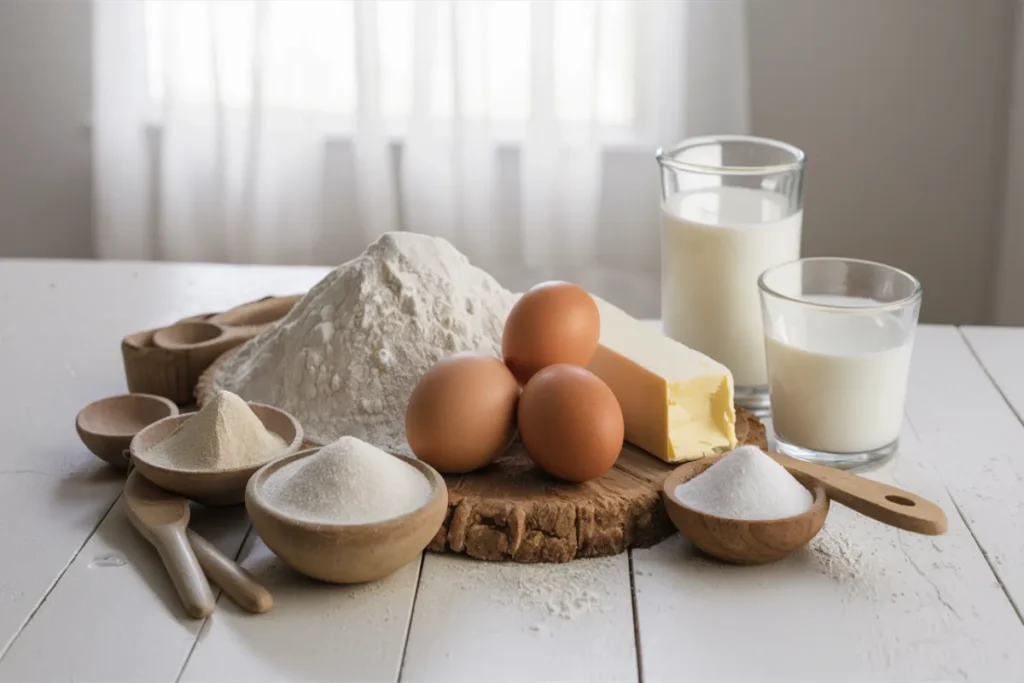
224, 435
746, 484
348, 482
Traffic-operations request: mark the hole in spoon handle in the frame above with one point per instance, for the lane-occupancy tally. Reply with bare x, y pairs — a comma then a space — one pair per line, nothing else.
886, 504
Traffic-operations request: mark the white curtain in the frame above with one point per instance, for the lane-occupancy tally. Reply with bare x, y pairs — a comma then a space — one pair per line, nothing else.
296, 132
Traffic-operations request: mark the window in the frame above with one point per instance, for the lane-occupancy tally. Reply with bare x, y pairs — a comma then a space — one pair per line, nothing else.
311, 57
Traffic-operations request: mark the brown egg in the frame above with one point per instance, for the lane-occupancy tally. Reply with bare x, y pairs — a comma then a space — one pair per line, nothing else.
570, 423
554, 322
461, 415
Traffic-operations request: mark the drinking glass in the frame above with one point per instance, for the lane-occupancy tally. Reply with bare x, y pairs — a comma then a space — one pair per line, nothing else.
838, 339
732, 206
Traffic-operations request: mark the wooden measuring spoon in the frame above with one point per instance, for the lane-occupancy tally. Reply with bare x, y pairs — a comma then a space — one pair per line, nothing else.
881, 502
759, 541
162, 521
240, 585
224, 330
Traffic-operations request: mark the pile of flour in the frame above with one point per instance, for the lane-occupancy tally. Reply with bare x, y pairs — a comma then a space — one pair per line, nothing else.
345, 360
348, 482
224, 435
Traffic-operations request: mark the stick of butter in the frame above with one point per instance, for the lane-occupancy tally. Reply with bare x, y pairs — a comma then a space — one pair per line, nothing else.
676, 402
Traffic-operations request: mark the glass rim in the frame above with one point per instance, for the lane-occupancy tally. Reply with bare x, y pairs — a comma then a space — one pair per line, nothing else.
665, 156
881, 307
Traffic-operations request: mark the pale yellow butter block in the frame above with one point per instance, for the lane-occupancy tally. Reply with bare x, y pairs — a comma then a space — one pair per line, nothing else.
677, 403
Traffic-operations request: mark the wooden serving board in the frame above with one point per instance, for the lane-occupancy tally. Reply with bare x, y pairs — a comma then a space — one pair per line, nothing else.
512, 510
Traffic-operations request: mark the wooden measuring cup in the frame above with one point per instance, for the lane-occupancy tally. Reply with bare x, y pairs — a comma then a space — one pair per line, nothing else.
169, 360
211, 336
758, 541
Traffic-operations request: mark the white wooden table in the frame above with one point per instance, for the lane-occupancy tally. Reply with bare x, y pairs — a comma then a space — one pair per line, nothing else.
83, 598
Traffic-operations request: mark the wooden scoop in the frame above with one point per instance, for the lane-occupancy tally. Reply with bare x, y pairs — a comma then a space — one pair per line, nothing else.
221, 331
239, 584
162, 521
759, 541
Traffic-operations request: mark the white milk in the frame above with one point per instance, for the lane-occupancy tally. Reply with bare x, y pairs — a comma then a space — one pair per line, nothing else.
716, 242
838, 382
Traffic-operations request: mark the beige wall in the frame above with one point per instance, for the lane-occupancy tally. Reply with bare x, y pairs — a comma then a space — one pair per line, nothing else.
901, 106
45, 167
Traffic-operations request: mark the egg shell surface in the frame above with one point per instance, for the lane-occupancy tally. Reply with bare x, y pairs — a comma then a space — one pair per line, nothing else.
570, 423
554, 322
461, 414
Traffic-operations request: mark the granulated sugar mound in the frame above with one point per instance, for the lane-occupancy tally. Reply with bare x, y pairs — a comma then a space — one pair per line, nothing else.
224, 435
348, 482
746, 484
345, 360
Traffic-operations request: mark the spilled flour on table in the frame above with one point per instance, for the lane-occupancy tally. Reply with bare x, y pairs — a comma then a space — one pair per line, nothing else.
848, 561
838, 557
546, 593
560, 591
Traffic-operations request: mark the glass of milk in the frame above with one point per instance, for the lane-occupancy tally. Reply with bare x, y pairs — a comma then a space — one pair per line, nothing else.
838, 336
732, 206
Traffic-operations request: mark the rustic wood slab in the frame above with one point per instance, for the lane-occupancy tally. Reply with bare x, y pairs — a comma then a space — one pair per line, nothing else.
512, 510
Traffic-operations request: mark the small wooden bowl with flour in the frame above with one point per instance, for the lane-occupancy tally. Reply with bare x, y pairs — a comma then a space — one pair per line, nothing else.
210, 487
345, 552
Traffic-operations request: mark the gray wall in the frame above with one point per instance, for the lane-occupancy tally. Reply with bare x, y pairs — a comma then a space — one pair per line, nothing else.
901, 106
45, 167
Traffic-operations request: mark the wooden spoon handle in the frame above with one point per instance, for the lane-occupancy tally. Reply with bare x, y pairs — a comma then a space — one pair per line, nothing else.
239, 584
186, 574
881, 502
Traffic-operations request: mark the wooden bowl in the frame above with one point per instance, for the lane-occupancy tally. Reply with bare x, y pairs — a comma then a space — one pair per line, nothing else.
744, 541
345, 553
107, 426
212, 487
